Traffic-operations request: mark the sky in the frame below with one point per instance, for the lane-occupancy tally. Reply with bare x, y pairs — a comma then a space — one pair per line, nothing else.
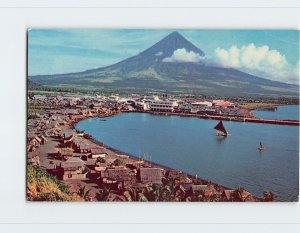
272, 54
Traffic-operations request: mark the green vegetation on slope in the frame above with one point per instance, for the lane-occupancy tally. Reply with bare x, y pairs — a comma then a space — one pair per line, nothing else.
42, 186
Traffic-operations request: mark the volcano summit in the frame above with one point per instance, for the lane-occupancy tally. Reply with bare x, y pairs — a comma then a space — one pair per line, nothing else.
172, 64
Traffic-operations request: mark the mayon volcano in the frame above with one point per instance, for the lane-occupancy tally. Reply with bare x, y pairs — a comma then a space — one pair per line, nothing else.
172, 64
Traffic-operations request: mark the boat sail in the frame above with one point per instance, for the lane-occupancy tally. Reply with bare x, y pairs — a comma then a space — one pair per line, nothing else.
221, 129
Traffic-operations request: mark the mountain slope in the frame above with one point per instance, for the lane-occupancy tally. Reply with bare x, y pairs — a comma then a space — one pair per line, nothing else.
149, 70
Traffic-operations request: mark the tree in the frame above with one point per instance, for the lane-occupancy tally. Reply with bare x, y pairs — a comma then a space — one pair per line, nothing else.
153, 192
85, 194
238, 195
268, 196
134, 194
118, 162
100, 160
196, 196
103, 194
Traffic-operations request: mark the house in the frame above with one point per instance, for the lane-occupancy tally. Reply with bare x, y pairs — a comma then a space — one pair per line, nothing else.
207, 190
174, 174
72, 169
31, 148
81, 145
237, 195
124, 175
44, 139
183, 180
111, 183
35, 142
150, 175
65, 153
119, 174
100, 167
33, 159
97, 153
67, 139
228, 195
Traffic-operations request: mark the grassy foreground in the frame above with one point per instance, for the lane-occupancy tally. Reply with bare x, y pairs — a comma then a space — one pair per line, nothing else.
42, 186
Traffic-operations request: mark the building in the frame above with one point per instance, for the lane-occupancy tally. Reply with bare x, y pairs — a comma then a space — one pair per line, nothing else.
207, 190
163, 106
65, 153
203, 103
221, 103
97, 153
121, 174
72, 169
150, 175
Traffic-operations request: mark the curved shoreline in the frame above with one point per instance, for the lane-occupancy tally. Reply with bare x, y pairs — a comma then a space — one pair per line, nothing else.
134, 157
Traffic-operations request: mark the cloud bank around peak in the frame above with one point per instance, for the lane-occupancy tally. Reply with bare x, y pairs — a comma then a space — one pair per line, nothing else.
257, 60
182, 55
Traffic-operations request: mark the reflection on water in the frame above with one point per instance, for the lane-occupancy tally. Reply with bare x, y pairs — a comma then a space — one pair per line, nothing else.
220, 139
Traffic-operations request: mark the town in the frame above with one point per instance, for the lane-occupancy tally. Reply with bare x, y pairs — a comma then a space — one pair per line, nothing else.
97, 172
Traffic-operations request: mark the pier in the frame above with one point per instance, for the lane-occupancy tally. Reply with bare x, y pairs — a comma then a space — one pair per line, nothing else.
224, 118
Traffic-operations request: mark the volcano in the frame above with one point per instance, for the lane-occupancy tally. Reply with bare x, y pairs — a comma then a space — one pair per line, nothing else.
172, 64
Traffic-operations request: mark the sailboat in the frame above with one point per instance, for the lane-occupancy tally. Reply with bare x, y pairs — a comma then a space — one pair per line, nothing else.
221, 130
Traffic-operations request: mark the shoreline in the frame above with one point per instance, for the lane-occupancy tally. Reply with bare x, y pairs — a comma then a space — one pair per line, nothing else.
153, 164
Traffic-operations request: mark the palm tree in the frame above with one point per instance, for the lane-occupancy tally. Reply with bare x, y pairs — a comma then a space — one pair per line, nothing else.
268, 196
153, 192
103, 194
197, 196
216, 198
168, 190
85, 194
100, 160
239, 195
134, 194
118, 162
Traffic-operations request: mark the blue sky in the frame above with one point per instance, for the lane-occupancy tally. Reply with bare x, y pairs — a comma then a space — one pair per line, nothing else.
273, 54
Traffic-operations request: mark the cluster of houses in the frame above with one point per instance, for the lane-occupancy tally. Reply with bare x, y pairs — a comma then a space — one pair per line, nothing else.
79, 158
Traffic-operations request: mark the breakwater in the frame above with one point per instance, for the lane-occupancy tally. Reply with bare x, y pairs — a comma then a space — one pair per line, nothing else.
224, 118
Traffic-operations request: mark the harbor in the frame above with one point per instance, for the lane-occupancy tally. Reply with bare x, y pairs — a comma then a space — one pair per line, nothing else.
59, 138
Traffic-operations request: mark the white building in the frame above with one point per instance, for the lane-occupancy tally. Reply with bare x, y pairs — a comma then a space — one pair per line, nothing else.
202, 103
163, 106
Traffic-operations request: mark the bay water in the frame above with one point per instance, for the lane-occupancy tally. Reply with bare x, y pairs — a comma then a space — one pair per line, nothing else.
190, 144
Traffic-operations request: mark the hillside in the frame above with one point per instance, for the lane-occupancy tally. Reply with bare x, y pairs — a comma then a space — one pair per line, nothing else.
42, 186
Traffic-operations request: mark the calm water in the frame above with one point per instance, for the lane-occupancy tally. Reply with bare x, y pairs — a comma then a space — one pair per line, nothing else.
282, 113
190, 144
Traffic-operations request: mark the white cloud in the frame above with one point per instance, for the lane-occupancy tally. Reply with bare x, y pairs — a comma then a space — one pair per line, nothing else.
182, 55
159, 53
258, 60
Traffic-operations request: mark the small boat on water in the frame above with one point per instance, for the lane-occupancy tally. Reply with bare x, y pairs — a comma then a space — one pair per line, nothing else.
221, 130
261, 147
103, 120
